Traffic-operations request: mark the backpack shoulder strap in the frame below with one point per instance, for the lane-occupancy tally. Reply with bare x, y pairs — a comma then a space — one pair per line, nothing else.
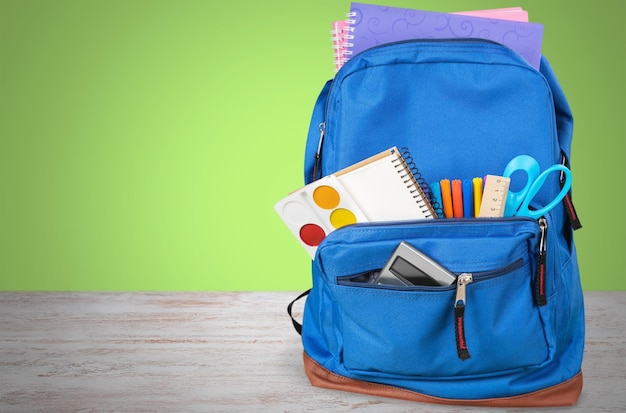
296, 324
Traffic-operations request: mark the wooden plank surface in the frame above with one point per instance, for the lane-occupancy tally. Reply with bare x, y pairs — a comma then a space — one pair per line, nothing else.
215, 352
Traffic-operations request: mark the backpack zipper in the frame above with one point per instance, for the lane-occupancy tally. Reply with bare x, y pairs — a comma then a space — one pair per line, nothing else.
460, 303
540, 281
459, 315
317, 165
464, 279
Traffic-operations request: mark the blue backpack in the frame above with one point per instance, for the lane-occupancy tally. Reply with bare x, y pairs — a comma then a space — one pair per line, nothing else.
464, 108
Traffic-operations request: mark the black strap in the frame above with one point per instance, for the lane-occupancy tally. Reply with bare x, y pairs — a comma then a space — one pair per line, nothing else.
296, 324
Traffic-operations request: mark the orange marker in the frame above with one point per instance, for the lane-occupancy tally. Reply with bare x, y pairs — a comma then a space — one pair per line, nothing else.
446, 198
457, 198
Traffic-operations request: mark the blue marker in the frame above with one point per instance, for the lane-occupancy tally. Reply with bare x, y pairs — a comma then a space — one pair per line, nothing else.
435, 188
468, 198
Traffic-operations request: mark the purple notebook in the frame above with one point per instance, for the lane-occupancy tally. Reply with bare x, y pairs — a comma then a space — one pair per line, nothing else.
374, 25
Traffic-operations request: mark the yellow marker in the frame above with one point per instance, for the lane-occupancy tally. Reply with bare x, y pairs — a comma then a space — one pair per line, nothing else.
478, 195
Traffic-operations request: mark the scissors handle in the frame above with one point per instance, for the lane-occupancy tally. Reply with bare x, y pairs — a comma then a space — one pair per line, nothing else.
524, 209
526, 164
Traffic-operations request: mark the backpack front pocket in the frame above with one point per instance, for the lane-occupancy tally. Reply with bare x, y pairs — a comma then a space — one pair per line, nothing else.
418, 330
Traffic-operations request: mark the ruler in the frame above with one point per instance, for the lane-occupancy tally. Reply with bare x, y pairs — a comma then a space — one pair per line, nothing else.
494, 196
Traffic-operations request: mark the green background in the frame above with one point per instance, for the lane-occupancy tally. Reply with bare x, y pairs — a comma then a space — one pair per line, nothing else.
143, 144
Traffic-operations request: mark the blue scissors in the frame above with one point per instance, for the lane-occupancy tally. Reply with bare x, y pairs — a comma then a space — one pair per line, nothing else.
518, 203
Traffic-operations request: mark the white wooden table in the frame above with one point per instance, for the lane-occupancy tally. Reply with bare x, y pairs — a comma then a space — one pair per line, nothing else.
215, 352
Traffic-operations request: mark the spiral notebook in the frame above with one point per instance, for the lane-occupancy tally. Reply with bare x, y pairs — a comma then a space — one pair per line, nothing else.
340, 36
384, 187
388, 187
369, 25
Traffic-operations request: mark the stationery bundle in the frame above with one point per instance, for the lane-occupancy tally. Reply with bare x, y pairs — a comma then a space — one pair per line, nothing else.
369, 25
474, 300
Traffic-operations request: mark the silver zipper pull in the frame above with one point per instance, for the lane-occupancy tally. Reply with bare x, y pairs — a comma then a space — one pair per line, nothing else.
318, 154
461, 282
459, 315
322, 128
540, 281
543, 229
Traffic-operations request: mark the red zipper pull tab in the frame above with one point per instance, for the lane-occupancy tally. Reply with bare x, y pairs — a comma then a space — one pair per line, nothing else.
571, 212
540, 280
569, 205
459, 315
